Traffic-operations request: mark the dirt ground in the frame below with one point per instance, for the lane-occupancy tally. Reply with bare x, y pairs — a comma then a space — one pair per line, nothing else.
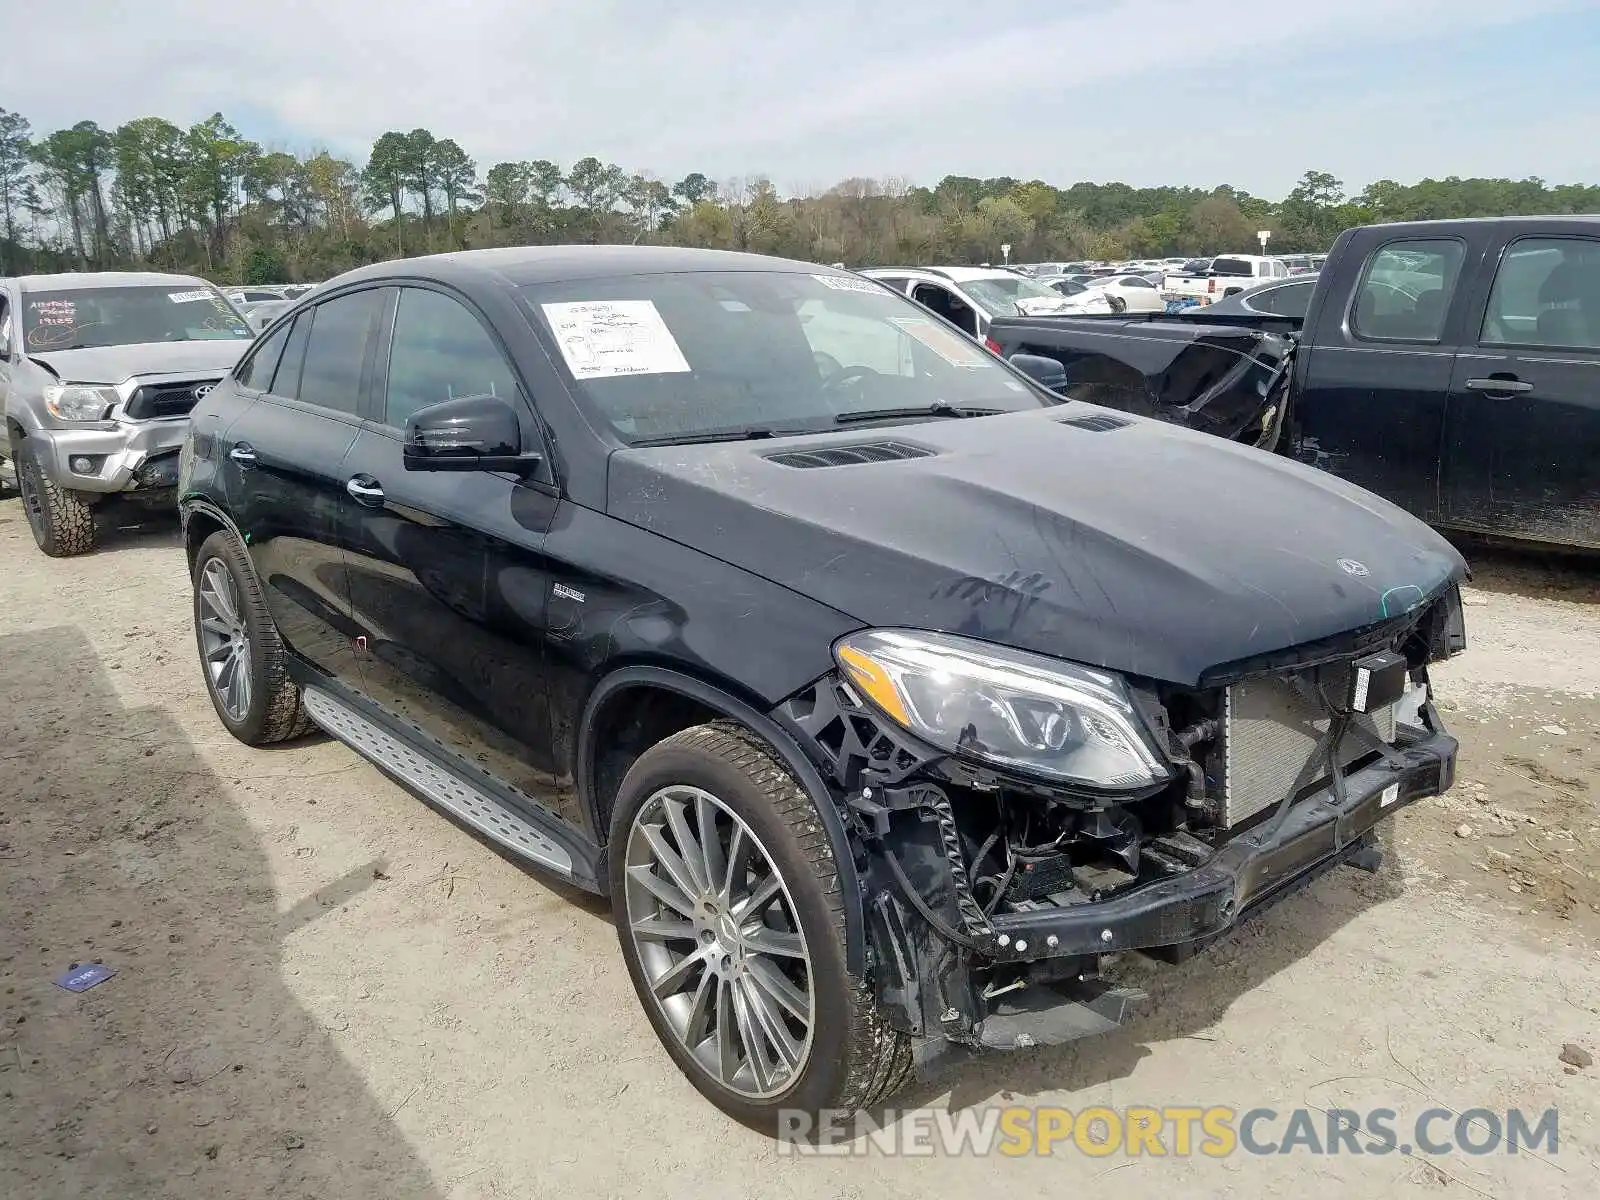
325, 989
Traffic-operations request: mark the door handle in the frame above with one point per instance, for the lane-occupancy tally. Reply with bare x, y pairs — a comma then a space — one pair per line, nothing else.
364, 489
243, 454
1498, 385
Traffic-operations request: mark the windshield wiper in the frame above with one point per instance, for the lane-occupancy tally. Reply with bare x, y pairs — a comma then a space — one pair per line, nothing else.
939, 408
722, 435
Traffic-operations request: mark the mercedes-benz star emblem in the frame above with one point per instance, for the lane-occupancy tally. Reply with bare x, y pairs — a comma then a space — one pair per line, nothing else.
1351, 567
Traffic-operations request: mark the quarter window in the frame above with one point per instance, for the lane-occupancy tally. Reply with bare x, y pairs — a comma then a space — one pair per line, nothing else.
337, 349
1406, 290
286, 380
440, 351
1546, 293
256, 371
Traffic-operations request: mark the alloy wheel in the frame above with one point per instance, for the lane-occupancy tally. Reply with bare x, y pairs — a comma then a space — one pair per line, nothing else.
225, 639
719, 940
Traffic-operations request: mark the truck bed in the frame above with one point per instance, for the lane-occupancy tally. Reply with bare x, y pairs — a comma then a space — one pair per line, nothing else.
1219, 379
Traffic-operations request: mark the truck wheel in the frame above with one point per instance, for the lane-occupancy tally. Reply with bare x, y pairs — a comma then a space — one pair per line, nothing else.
727, 905
61, 521
240, 651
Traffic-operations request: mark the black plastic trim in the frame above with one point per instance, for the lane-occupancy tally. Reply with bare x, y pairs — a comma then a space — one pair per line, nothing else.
778, 738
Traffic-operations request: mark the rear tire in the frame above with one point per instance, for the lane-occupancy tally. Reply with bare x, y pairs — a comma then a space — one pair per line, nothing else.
61, 521
242, 657
713, 782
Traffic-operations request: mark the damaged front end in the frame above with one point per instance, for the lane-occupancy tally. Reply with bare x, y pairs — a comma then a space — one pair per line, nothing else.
1015, 820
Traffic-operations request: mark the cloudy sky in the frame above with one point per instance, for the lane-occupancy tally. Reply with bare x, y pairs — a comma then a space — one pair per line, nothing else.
810, 91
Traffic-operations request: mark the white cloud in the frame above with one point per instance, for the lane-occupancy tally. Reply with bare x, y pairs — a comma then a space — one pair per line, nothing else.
808, 92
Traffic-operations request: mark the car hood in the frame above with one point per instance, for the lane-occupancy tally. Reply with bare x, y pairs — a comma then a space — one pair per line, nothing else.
113, 364
1131, 545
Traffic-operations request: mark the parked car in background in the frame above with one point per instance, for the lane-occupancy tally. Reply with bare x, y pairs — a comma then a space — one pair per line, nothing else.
1137, 293
970, 297
255, 295
883, 694
1091, 301
1223, 276
98, 372
1452, 367
265, 312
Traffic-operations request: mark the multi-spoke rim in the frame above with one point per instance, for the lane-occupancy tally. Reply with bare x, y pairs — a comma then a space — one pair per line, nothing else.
720, 941
224, 639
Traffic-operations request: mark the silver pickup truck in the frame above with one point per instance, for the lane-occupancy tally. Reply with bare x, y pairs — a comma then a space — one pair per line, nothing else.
98, 372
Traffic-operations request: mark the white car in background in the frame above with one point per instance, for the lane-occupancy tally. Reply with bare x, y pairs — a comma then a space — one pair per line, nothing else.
970, 297
1136, 292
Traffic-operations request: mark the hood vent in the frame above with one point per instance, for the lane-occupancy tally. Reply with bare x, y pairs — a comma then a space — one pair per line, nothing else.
1097, 422
849, 456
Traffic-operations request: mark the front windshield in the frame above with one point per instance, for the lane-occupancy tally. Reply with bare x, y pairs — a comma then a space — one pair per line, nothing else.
681, 356
79, 318
1000, 294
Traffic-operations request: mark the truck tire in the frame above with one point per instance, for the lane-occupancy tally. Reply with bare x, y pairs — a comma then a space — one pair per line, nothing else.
61, 521
742, 972
241, 654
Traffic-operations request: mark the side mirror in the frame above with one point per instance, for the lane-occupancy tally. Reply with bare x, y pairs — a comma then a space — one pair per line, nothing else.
473, 433
1046, 372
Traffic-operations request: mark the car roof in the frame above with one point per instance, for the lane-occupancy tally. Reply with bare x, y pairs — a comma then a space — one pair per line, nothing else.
523, 265
967, 274
69, 281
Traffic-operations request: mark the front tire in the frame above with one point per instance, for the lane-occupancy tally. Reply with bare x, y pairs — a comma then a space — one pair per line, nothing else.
241, 654
728, 910
61, 521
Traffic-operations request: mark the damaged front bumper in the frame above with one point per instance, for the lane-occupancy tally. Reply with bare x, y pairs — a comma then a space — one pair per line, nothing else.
1246, 871
1032, 976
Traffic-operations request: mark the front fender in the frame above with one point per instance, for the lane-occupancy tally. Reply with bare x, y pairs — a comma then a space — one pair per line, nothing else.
768, 730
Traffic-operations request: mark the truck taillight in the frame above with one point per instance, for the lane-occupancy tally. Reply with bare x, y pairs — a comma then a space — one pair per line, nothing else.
993, 346
1211, 285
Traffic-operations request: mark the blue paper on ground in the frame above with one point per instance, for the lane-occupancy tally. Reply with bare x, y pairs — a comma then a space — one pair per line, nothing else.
81, 979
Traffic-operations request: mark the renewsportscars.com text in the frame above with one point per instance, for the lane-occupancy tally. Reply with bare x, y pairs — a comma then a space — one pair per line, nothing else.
1171, 1131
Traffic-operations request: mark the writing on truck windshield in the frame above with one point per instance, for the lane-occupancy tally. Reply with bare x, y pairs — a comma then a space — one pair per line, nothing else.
82, 318
691, 354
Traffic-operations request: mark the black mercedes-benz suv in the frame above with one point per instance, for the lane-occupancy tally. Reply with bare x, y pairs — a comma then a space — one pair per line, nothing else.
883, 692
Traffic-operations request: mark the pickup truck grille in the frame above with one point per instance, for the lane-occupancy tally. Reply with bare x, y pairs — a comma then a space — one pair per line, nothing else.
1269, 731
154, 400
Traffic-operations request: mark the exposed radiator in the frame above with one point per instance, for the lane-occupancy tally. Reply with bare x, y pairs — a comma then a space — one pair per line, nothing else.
1269, 730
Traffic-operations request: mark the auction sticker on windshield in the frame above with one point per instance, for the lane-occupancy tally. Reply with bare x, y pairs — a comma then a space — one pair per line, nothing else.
950, 346
188, 297
601, 339
845, 283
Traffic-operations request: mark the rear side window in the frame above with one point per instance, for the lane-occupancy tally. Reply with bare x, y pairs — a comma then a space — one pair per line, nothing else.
256, 371
1406, 290
1546, 293
441, 352
337, 350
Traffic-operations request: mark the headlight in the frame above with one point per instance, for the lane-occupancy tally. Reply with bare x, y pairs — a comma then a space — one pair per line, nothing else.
74, 402
1040, 715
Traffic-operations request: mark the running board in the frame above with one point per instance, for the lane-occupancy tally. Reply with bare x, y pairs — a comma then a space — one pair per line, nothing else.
470, 805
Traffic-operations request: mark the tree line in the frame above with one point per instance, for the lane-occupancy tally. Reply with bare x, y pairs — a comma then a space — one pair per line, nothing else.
204, 199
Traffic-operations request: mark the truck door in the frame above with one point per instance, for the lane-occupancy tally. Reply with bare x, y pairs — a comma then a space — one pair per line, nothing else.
1371, 408
1522, 440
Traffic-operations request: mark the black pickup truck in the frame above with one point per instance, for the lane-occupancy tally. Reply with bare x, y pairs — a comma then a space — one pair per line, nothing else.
1450, 366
